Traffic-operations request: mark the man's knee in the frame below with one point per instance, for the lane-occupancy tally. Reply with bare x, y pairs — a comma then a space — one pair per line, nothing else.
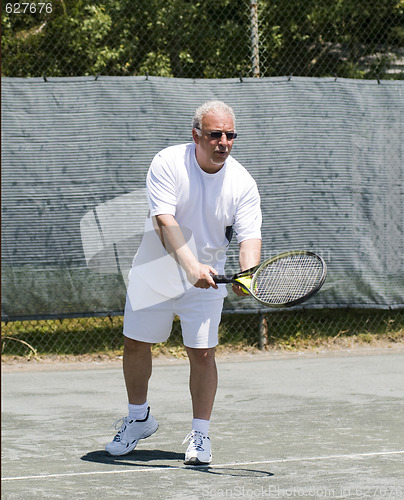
132, 346
202, 357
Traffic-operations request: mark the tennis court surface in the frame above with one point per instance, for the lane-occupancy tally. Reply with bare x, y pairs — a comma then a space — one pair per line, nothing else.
305, 426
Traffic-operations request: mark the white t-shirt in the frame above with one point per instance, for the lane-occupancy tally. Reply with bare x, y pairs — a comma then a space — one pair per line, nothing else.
205, 206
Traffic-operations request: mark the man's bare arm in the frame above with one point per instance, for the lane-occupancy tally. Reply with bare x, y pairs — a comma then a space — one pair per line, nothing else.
173, 240
249, 256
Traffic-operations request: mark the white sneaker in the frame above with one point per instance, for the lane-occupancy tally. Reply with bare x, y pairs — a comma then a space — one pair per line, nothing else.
129, 433
199, 449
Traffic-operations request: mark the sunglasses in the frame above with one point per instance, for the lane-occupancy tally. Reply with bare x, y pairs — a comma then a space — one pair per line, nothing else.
217, 134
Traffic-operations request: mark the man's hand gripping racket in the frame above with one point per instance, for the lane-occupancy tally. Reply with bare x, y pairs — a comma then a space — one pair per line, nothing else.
284, 280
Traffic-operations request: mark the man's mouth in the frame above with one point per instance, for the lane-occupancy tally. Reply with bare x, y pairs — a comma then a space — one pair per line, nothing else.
221, 157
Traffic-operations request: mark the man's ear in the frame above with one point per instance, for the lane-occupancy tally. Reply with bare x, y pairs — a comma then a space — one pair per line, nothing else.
196, 137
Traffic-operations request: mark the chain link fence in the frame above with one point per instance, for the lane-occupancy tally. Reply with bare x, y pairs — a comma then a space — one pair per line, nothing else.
209, 39
286, 331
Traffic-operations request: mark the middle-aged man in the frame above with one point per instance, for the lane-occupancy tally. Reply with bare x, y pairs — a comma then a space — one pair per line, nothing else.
197, 195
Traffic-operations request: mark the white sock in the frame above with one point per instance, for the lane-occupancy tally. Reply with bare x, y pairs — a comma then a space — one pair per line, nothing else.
138, 412
201, 426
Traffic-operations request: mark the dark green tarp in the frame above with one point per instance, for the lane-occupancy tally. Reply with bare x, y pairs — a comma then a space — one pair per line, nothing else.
327, 156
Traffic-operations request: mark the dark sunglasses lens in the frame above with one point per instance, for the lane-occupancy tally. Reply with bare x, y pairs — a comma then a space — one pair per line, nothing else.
218, 135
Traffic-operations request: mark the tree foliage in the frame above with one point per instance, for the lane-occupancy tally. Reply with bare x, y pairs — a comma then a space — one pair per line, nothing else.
205, 38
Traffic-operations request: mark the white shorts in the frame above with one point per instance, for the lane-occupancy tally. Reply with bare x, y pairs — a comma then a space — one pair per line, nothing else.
198, 309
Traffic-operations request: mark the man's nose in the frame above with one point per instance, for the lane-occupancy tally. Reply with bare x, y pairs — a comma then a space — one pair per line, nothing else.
223, 139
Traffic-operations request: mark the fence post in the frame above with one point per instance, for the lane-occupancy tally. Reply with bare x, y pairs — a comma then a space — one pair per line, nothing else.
254, 39
263, 330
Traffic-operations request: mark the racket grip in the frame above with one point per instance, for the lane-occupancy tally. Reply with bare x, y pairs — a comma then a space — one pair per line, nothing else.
222, 278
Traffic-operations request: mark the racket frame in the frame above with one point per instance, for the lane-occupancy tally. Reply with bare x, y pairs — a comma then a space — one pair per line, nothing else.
255, 271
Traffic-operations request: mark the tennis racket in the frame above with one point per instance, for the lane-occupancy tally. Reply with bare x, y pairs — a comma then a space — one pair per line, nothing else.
284, 280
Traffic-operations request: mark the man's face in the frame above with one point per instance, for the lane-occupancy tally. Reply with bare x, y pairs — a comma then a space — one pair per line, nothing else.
212, 153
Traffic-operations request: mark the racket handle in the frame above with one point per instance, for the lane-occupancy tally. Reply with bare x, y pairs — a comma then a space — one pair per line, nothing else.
222, 278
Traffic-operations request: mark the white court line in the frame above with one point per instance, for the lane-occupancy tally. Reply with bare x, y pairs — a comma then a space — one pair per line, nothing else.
210, 466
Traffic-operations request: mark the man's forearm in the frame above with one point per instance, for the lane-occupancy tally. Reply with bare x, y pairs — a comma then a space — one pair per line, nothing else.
174, 242
249, 253
172, 238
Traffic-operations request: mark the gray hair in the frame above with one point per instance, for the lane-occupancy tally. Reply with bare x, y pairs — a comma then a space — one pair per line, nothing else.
211, 107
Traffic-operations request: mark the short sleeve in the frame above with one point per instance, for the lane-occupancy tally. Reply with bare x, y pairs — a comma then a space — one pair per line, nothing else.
160, 187
248, 218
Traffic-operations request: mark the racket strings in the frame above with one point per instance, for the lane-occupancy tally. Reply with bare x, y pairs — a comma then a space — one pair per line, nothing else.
287, 279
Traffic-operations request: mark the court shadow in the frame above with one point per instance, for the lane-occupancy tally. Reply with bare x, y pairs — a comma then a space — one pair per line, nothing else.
133, 458
141, 457
230, 471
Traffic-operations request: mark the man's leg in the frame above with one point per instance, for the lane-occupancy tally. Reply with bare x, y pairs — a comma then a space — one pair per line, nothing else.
202, 381
203, 385
137, 369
